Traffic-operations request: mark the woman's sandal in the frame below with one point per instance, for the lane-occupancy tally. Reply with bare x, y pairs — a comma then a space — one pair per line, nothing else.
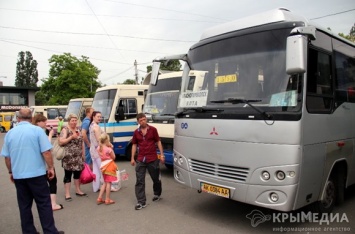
60, 207
109, 202
99, 201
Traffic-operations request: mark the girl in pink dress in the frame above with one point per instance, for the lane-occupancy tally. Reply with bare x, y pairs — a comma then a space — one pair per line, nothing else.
108, 168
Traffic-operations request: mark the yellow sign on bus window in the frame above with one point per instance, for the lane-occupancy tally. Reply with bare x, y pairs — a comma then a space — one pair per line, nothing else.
226, 79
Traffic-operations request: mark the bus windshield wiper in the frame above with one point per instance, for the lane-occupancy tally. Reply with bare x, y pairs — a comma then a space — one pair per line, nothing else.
167, 115
198, 109
246, 101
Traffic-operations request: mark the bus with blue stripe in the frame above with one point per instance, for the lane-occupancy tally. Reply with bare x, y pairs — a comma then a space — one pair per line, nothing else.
119, 106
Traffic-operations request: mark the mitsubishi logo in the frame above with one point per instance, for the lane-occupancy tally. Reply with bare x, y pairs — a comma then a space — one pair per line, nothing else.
213, 131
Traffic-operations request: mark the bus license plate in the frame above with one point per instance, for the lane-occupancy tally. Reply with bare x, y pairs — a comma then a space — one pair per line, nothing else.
216, 190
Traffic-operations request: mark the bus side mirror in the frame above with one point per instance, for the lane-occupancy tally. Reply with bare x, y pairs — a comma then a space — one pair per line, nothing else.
155, 73
296, 48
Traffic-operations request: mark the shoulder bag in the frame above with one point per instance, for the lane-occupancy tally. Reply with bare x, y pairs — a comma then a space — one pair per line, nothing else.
58, 151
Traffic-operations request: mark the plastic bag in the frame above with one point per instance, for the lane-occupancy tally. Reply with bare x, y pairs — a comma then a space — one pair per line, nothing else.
87, 176
116, 185
124, 175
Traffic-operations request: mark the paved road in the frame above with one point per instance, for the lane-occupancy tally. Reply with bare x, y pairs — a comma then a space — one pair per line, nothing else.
182, 210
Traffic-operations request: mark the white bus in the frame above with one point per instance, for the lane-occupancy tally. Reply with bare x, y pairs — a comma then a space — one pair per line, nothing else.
273, 124
119, 106
77, 106
161, 105
51, 113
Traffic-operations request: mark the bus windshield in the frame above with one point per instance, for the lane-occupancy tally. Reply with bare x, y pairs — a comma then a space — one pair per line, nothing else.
73, 108
162, 103
242, 71
103, 102
162, 99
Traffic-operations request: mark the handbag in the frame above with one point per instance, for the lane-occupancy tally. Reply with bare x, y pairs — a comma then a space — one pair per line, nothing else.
87, 176
58, 151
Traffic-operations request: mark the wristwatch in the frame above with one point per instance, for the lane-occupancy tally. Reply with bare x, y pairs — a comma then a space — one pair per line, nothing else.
10, 172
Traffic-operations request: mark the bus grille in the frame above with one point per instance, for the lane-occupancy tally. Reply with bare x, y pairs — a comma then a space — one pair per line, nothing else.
239, 174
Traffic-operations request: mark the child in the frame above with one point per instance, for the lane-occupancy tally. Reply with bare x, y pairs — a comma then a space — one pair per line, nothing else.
108, 168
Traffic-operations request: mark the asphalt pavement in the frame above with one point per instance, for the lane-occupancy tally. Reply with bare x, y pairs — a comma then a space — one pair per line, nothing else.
181, 210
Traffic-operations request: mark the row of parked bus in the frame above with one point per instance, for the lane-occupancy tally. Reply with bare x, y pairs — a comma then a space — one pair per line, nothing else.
119, 105
52, 113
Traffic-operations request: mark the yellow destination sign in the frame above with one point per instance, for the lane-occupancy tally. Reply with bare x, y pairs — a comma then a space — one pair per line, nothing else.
226, 79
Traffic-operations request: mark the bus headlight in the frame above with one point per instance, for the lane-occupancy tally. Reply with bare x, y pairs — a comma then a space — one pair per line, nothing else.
280, 175
265, 175
274, 197
180, 161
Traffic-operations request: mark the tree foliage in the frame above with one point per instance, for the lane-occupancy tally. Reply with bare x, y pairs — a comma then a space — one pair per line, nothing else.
69, 77
129, 81
26, 70
171, 65
351, 36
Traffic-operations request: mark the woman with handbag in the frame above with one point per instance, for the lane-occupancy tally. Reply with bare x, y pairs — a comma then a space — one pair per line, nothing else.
41, 121
74, 158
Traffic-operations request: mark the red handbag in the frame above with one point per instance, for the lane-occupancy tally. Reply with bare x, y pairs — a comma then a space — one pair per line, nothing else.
87, 176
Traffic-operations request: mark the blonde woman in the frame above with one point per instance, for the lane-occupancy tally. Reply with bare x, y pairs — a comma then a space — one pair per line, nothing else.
74, 158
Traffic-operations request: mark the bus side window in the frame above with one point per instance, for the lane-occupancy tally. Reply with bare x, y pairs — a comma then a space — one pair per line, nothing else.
319, 83
345, 78
132, 106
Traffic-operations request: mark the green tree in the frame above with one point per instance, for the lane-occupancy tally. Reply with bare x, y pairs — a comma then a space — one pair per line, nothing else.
129, 81
40, 99
351, 36
69, 77
26, 70
171, 65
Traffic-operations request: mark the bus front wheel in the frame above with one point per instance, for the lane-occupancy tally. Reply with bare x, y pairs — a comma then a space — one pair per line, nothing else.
332, 194
128, 153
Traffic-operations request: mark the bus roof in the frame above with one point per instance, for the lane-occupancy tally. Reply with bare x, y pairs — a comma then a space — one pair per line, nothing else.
81, 99
264, 18
123, 87
44, 107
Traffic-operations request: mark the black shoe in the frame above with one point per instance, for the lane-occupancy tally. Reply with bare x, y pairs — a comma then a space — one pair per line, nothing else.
156, 198
140, 206
61, 232
81, 194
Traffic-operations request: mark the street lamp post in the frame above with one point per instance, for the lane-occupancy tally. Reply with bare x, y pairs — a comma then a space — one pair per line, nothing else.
2, 77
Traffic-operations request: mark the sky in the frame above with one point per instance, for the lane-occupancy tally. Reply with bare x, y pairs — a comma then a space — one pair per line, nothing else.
114, 34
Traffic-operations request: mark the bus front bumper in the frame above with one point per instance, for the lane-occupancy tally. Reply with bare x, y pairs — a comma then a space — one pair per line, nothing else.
273, 197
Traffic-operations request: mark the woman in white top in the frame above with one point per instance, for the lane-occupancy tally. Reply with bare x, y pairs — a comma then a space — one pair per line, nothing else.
95, 132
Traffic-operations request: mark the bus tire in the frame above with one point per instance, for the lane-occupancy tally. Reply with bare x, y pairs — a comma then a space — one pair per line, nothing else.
328, 200
340, 187
2, 129
170, 167
128, 153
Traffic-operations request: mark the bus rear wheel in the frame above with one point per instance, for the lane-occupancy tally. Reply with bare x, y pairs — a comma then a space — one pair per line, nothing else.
2, 129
